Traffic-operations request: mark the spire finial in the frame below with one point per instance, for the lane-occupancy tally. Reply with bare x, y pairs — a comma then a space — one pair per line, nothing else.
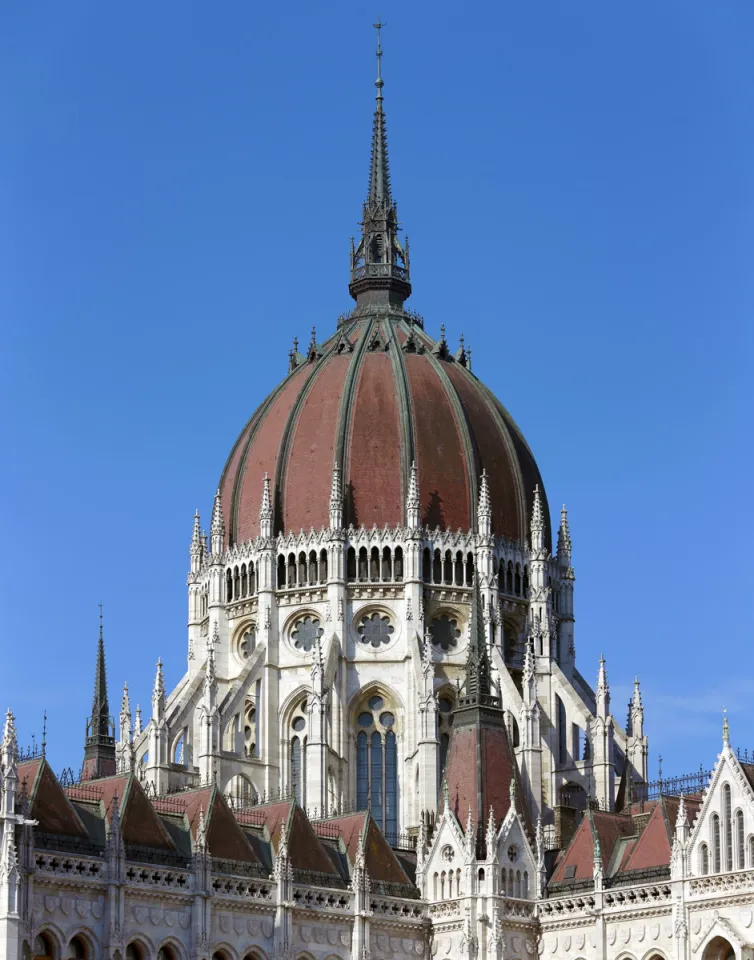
537, 521
379, 263
265, 508
726, 729
379, 83
413, 504
484, 510
564, 538
336, 498
217, 526
478, 686
158, 693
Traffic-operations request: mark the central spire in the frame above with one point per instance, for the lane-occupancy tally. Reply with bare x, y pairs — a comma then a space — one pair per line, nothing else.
379, 264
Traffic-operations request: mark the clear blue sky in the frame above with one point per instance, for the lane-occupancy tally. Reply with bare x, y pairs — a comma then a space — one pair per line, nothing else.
178, 183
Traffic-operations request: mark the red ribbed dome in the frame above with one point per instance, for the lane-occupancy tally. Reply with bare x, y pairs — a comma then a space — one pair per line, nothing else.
376, 396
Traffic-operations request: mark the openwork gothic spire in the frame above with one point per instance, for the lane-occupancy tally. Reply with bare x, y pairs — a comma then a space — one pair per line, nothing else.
99, 749
477, 689
379, 263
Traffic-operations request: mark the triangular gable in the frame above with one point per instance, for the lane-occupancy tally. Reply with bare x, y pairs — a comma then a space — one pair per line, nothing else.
225, 838
48, 801
140, 823
380, 860
728, 765
513, 831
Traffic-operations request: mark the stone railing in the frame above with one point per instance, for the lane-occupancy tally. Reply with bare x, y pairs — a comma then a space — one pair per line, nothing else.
519, 909
398, 909
722, 883
619, 898
144, 876
79, 867
313, 898
445, 910
242, 888
575, 906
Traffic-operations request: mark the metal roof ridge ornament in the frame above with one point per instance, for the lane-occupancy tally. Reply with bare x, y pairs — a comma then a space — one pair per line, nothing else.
379, 262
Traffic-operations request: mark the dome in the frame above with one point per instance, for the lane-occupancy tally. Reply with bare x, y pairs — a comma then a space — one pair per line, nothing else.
375, 397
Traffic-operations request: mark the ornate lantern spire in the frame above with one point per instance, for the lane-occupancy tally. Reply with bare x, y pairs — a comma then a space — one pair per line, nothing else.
379, 264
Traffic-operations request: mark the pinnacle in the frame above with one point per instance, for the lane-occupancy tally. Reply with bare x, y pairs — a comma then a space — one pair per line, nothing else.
265, 509
336, 492
537, 518
485, 508
9, 731
217, 526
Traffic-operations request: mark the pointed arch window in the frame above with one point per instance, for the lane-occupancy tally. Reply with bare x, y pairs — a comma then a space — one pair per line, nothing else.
377, 764
728, 827
740, 843
716, 859
703, 859
298, 754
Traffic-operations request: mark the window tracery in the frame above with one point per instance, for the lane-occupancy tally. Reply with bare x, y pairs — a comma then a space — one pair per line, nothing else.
375, 629
445, 631
377, 763
299, 723
305, 631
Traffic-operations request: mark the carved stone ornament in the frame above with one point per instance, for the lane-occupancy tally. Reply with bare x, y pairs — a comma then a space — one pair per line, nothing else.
448, 853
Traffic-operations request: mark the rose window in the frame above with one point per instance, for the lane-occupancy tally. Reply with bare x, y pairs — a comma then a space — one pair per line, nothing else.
305, 632
444, 631
375, 629
248, 642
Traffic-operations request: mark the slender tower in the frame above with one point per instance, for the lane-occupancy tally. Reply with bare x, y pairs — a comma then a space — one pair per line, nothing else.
99, 749
379, 264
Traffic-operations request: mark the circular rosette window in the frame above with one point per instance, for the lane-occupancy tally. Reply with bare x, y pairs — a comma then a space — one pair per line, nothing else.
445, 632
375, 629
305, 632
247, 642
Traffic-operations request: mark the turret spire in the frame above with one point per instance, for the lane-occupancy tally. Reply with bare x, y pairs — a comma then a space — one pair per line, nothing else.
158, 692
413, 504
336, 498
379, 264
265, 509
196, 550
603, 691
217, 527
564, 538
537, 522
477, 688
484, 510
99, 751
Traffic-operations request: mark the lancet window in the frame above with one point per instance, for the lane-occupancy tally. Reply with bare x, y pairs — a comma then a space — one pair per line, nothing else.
299, 724
740, 843
716, 857
377, 763
445, 727
728, 827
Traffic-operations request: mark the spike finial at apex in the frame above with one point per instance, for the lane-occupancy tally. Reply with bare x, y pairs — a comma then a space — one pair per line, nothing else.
726, 729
